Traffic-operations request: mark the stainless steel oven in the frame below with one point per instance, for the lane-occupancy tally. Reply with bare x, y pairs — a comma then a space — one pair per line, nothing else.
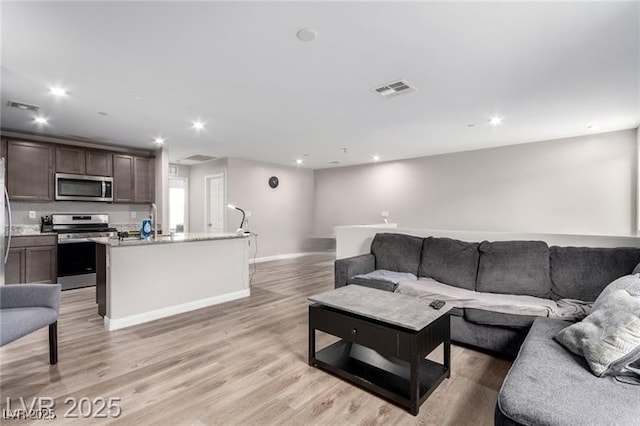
83, 188
76, 250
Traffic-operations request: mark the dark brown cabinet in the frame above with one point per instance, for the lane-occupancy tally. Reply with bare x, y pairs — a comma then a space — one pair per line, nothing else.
31, 168
14, 269
123, 178
70, 160
82, 161
144, 180
133, 179
98, 163
30, 171
32, 259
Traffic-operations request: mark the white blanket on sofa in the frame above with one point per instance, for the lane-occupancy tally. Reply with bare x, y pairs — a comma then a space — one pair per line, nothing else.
428, 288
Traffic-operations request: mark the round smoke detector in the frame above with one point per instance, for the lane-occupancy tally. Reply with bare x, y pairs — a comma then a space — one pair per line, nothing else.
307, 34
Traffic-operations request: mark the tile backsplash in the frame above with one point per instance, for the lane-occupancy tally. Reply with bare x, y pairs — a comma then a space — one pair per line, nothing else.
118, 213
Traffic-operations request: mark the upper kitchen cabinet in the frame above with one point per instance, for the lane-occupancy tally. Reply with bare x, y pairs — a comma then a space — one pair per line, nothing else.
133, 179
123, 178
98, 163
30, 171
70, 160
82, 161
144, 180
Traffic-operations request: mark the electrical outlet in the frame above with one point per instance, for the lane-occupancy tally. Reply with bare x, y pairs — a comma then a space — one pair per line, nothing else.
133, 215
247, 213
385, 213
32, 214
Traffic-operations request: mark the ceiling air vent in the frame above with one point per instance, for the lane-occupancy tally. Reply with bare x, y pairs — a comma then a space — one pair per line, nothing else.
391, 90
23, 106
200, 157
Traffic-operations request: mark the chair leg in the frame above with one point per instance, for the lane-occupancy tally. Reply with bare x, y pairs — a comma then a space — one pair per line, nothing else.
53, 343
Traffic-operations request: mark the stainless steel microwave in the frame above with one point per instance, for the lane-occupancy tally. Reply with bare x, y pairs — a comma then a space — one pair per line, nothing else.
83, 188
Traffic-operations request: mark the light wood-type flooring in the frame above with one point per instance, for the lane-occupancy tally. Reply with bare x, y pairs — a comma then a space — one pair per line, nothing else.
238, 363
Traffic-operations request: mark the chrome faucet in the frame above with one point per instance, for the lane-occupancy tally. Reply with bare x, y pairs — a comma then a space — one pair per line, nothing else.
154, 219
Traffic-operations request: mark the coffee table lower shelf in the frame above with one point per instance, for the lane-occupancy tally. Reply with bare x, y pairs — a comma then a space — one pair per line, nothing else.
386, 376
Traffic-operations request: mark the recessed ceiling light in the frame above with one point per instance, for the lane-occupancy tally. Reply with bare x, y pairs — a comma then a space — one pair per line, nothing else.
299, 161
376, 157
593, 127
198, 125
159, 140
307, 34
495, 120
58, 91
41, 120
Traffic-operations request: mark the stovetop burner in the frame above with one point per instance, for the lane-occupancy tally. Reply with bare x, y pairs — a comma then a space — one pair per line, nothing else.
81, 226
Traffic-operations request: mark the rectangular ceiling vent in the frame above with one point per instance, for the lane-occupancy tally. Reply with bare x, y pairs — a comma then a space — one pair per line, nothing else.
23, 106
200, 157
396, 88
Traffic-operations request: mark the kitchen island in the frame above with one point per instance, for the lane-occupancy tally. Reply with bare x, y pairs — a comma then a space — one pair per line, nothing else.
144, 280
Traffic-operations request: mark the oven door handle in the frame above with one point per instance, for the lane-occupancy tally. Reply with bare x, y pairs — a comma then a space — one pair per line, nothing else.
73, 240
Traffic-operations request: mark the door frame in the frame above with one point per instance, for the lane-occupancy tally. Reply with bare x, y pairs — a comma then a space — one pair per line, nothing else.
207, 203
186, 201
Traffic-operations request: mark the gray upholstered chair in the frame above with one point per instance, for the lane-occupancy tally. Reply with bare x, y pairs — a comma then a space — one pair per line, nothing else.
25, 308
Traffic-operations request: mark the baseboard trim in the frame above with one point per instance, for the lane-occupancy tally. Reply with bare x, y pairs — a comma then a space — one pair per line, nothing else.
115, 324
287, 256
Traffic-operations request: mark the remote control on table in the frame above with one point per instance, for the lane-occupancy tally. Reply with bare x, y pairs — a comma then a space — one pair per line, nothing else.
437, 304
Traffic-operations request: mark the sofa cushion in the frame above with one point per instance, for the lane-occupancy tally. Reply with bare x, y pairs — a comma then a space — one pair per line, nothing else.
449, 261
480, 316
397, 252
609, 338
514, 267
583, 272
548, 385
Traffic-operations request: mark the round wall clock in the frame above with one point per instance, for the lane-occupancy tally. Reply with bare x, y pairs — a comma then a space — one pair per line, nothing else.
273, 182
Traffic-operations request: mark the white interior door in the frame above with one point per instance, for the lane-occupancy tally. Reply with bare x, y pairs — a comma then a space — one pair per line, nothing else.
215, 205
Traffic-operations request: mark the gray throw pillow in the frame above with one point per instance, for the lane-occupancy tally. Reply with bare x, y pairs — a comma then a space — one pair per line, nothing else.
609, 338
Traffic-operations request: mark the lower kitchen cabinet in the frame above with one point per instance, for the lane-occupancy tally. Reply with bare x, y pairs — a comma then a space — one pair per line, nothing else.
32, 259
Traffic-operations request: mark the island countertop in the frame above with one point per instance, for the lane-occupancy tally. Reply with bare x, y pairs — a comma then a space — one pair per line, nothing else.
167, 239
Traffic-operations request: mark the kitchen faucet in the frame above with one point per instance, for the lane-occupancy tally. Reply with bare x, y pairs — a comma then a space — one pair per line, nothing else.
154, 219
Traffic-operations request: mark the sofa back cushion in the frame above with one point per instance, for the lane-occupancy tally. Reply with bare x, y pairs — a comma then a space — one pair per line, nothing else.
514, 267
397, 252
450, 261
583, 272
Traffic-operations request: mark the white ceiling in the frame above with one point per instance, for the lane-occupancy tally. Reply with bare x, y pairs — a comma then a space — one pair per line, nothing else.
549, 68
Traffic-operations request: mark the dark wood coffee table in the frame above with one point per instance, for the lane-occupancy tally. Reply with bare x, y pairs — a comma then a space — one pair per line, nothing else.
385, 339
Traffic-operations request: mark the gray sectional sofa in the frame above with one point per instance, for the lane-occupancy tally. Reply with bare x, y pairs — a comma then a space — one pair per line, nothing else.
507, 267
529, 394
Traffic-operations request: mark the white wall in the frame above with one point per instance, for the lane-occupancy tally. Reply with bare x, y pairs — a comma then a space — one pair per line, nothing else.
162, 185
355, 240
581, 185
283, 217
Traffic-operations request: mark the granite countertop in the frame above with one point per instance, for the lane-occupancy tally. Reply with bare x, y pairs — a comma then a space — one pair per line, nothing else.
398, 309
166, 239
28, 231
